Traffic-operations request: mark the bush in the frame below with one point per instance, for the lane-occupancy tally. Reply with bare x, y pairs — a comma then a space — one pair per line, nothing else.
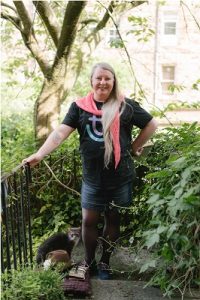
29, 284
55, 192
173, 231
17, 141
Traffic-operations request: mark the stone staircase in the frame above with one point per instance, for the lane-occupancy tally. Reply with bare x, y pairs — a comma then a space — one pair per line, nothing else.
127, 283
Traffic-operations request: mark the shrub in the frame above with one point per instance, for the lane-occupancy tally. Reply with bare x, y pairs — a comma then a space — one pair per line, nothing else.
30, 284
173, 231
56, 194
17, 141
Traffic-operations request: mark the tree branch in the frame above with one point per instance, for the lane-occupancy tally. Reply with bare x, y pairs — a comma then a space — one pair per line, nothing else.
47, 15
120, 36
62, 184
30, 41
14, 20
183, 3
101, 24
24, 17
106, 16
137, 3
84, 23
69, 28
9, 6
93, 36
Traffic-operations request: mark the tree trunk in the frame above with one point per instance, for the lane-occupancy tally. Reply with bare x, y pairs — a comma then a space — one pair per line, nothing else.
48, 104
47, 110
61, 75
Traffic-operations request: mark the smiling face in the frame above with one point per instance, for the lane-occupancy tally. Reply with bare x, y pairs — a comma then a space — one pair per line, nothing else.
102, 82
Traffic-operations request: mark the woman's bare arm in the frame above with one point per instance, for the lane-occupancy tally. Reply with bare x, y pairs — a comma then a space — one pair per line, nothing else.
144, 135
55, 138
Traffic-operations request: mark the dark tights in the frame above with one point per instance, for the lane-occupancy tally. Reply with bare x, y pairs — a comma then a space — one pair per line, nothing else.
111, 233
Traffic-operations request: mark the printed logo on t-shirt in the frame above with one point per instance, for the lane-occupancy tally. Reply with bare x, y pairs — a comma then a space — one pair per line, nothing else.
92, 131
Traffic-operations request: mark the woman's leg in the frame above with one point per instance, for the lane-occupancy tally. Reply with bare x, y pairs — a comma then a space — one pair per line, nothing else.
90, 219
110, 234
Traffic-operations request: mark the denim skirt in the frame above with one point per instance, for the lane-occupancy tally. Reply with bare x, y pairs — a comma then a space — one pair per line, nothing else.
101, 199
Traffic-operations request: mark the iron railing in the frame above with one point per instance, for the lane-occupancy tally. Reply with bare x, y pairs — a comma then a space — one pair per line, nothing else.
17, 190
16, 240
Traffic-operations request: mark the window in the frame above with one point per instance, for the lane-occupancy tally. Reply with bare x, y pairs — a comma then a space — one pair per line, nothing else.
169, 23
113, 35
168, 79
170, 28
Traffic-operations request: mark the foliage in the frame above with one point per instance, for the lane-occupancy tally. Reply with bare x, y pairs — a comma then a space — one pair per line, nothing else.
175, 106
141, 28
171, 184
117, 43
171, 214
55, 192
50, 48
20, 86
32, 284
196, 85
175, 88
173, 230
17, 140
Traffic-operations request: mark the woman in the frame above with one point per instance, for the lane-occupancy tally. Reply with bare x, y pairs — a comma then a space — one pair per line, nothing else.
104, 120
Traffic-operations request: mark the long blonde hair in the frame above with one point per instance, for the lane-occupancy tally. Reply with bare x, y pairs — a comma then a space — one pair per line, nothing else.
109, 110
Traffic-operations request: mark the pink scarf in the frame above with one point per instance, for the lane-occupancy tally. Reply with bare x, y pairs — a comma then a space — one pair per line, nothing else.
87, 103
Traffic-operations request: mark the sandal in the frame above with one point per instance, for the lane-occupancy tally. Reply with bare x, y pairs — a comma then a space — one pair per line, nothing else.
79, 270
104, 271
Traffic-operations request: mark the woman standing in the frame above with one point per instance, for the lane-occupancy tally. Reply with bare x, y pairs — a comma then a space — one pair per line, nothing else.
104, 120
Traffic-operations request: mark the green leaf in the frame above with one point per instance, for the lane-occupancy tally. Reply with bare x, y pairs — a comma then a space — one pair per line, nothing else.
194, 190
167, 252
45, 207
147, 265
161, 229
153, 198
152, 240
178, 193
171, 230
179, 162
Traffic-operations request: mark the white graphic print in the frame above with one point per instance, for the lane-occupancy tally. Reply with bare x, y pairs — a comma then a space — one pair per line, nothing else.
92, 131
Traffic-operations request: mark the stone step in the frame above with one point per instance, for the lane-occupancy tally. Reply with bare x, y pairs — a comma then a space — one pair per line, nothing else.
127, 283
122, 289
128, 290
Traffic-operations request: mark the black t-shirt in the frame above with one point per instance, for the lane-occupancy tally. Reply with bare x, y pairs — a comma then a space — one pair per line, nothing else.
90, 131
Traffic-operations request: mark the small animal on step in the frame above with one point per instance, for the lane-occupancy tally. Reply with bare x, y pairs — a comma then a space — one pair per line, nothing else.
58, 248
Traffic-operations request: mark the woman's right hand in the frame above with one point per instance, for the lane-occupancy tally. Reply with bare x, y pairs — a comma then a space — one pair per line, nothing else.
33, 159
56, 137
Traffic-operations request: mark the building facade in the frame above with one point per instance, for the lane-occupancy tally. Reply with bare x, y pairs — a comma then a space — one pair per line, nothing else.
163, 44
